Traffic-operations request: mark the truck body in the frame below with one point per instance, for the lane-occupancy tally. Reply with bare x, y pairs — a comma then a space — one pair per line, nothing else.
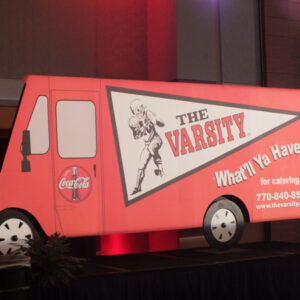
97, 156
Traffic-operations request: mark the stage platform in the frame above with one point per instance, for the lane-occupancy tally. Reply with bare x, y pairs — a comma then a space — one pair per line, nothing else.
251, 271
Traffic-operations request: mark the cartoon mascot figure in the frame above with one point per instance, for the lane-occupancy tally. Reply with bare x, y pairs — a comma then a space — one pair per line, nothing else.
142, 123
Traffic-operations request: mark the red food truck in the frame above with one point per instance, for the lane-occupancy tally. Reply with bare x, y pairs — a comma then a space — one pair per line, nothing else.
92, 157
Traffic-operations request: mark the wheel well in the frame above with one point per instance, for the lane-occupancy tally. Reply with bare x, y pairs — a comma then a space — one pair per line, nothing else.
238, 202
31, 218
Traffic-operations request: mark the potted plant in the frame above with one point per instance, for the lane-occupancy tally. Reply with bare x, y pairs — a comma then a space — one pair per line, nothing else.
51, 264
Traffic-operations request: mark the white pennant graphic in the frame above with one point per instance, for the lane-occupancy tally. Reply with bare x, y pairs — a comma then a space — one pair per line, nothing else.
162, 138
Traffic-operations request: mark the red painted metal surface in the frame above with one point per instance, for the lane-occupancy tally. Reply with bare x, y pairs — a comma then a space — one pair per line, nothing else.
266, 119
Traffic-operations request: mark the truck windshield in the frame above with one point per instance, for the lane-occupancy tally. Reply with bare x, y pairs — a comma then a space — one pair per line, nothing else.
10, 95
7, 115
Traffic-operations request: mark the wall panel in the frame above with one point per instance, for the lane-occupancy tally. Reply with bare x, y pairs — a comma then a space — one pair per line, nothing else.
198, 40
282, 43
195, 40
161, 40
16, 38
240, 42
64, 37
122, 39
116, 39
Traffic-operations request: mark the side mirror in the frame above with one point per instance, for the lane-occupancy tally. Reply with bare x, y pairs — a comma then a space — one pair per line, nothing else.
25, 150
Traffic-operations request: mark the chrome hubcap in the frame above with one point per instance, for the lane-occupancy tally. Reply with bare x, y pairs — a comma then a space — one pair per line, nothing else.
223, 225
14, 233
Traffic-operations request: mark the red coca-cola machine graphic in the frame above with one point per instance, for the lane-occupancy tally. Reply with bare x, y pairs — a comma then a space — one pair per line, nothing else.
75, 184
103, 157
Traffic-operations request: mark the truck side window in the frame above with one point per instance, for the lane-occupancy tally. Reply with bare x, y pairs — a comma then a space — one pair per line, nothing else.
39, 127
76, 128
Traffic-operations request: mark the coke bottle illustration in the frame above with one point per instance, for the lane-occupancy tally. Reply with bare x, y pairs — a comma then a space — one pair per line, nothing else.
75, 192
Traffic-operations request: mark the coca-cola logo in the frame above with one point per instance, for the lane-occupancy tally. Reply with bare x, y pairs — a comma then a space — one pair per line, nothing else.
75, 184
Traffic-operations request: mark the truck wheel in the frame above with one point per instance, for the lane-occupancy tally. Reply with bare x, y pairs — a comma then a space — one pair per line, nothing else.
15, 229
223, 224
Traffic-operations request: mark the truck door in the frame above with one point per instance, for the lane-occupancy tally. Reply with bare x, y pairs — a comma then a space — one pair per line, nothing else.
76, 168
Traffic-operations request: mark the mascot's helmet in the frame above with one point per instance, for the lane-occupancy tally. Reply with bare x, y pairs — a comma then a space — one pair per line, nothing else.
137, 107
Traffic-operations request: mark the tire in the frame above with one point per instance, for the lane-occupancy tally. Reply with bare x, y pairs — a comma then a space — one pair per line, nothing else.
223, 224
15, 229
